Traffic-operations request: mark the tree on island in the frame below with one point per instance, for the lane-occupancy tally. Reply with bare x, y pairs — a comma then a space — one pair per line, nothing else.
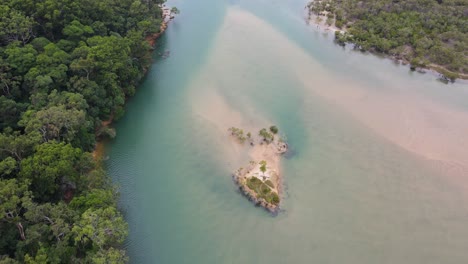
274, 129
267, 136
263, 166
174, 11
238, 133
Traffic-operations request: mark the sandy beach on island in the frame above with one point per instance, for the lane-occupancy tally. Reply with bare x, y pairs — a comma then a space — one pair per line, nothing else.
221, 116
268, 153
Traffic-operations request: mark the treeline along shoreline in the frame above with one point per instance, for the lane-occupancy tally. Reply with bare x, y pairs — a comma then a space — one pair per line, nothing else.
423, 33
66, 67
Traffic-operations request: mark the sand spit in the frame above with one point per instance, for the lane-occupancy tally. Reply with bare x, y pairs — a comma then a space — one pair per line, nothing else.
261, 179
250, 150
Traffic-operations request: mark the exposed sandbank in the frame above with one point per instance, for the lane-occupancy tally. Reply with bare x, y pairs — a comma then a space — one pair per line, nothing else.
261, 180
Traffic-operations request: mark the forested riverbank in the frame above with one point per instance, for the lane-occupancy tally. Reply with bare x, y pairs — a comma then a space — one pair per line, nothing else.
424, 33
65, 67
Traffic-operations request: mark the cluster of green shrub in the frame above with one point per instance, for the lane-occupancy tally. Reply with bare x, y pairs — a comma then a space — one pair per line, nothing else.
270, 183
268, 136
422, 32
239, 134
65, 65
263, 190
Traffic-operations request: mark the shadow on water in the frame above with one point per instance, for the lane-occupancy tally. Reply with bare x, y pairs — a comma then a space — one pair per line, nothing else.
290, 153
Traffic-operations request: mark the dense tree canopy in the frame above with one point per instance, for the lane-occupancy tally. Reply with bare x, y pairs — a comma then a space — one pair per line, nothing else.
65, 66
426, 33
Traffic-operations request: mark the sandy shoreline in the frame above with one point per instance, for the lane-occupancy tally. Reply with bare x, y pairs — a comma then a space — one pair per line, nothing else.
261, 180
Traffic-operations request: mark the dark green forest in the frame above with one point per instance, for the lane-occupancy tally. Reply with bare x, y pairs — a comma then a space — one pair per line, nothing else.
65, 66
425, 33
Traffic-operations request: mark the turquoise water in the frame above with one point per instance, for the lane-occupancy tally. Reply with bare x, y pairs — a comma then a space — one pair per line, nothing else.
379, 164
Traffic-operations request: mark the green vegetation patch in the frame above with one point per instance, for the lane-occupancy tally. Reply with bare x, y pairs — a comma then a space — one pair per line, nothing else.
267, 136
270, 183
273, 198
65, 67
263, 190
422, 32
239, 134
254, 183
274, 130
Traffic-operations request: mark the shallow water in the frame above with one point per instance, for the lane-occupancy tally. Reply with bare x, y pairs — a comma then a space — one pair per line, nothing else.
380, 165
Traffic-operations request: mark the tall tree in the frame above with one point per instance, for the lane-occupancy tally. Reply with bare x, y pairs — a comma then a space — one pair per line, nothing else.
14, 198
52, 166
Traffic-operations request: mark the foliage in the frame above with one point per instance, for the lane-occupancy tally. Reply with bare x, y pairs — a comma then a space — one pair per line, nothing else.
267, 136
422, 32
274, 129
263, 166
110, 255
14, 196
100, 228
270, 183
274, 198
254, 183
65, 66
263, 190
51, 166
239, 134
175, 10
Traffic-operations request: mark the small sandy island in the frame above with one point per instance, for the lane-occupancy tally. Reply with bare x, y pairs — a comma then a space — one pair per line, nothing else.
261, 180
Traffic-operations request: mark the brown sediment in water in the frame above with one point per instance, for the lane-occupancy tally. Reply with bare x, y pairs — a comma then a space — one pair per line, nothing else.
220, 116
431, 130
